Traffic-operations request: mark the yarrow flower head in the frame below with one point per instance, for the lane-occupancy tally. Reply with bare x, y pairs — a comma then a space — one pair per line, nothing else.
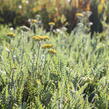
11, 34
47, 46
79, 15
51, 23
52, 51
39, 38
32, 20
38, 82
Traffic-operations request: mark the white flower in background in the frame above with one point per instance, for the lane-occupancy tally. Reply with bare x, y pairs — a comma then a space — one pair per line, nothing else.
20, 6
27, 2
68, 0
11, 28
58, 30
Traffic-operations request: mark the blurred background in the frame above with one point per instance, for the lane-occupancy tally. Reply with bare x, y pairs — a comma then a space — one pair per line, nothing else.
61, 12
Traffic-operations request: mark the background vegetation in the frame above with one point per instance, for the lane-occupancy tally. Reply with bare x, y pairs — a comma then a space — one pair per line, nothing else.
62, 12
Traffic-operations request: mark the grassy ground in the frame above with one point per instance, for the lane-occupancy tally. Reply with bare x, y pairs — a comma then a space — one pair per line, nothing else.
53, 71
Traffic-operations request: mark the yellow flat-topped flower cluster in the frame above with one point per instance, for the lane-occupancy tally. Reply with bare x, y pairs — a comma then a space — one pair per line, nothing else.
34, 21
79, 15
11, 34
39, 38
47, 46
51, 23
50, 48
52, 51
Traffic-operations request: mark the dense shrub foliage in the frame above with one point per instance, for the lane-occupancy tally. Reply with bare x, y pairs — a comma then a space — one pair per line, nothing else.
54, 69
45, 70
